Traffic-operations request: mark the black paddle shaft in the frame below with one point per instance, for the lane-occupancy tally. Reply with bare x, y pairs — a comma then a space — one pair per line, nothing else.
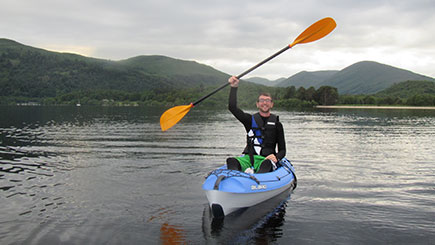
241, 75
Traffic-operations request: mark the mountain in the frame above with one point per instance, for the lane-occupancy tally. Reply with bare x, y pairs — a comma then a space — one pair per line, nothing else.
264, 81
368, 77
37, 73
307, 79
365, 77
31, 72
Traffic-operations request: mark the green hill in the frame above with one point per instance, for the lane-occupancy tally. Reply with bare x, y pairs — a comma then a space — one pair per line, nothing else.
408, 89
31, 72
365, 77
411, 93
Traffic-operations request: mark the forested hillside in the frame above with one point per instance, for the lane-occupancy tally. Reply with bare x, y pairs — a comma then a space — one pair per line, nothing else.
365, 77
409, 88
37, 73
413, 93
39, 76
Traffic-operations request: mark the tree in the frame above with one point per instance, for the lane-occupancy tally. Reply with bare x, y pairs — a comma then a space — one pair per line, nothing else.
300, 94
389, 100
326, 95
369, 100
421, 100
310, 94
290, 92
349, 99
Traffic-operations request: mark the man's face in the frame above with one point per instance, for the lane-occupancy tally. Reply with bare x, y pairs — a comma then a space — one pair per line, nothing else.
264, 103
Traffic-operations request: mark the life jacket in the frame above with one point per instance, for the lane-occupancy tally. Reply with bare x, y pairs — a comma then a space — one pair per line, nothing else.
261, 139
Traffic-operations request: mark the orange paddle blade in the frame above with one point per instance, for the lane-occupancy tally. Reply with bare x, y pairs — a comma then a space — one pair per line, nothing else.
173, 115
316, 31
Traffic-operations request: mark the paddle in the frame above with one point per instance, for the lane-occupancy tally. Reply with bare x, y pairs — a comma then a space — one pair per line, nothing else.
314, 32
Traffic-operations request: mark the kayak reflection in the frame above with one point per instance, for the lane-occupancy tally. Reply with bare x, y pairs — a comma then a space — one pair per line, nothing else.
259, 223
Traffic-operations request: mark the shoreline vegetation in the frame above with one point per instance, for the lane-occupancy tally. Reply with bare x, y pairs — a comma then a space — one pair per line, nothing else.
406, 95
375, 107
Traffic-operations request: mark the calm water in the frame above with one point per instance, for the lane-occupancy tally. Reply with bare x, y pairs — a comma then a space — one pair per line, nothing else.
99, 175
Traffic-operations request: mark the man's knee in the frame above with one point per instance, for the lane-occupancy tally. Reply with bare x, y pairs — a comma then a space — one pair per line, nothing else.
233, 164
265, 167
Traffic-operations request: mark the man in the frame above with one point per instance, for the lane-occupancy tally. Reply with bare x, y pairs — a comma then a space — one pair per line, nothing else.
264, 131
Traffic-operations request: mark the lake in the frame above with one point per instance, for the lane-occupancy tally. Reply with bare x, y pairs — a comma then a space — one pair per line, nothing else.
108, 175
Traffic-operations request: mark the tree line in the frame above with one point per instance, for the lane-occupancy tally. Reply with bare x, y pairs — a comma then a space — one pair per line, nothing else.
414, 100
301, 97
248, 93
288, 97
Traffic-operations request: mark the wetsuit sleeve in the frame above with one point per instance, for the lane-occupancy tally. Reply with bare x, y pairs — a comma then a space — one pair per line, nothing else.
243, 117
281, 141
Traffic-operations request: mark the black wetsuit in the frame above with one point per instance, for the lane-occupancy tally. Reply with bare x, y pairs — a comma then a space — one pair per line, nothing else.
246, 120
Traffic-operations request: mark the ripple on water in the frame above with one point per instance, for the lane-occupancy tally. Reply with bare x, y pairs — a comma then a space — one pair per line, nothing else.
361, 178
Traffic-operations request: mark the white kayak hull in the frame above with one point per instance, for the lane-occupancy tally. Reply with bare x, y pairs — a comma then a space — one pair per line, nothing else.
230, 202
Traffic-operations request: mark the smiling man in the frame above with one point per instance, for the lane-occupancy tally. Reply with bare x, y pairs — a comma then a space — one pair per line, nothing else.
264, 134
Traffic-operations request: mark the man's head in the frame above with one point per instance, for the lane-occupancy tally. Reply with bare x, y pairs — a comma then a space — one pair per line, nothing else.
265, 103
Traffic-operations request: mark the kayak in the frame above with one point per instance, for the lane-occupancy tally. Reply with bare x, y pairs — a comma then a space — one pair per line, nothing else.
258, 219
229, 190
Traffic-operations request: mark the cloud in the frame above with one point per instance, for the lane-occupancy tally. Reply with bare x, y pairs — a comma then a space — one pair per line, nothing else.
83, 50
231, 35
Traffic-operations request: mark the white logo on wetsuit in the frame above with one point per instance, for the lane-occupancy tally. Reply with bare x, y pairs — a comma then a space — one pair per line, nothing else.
257, 144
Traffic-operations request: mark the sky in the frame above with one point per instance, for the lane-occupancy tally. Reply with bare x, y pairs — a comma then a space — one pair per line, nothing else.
231, 35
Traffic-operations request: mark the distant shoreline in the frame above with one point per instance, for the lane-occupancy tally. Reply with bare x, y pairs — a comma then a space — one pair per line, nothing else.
375, 107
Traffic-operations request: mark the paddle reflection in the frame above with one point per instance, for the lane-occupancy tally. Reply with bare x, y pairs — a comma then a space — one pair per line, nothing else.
169, 233
172, 234
261, 223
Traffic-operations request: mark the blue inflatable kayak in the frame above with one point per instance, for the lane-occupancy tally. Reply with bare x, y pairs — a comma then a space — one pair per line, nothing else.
229, 190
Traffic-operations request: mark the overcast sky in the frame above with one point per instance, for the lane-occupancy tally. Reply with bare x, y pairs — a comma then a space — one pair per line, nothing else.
231, 35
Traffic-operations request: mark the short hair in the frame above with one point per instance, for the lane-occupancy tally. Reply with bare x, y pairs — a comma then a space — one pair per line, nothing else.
265, 94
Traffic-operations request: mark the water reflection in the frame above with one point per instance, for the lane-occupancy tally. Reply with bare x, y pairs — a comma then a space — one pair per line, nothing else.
169, 233
259, 224
172, 234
